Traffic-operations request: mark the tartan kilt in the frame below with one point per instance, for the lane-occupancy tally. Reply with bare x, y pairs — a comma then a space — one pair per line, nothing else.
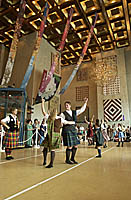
11, 140
52, 141
70, 138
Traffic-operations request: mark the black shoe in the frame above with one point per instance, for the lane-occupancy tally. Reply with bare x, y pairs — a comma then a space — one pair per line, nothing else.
75, 162
44, 163
8, 158
11, 157
49, 166
69, 162
118, 145
98, 156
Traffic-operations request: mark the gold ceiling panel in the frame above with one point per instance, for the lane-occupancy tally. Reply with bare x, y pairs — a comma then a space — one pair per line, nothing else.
36, 23
129, 6
75, 46
67, 9
111, 2
101, 30
78, 24
83, 34
100, 18
94, 50
123, 43
3, 39
107, 47
118, 25
121, 35
59, 2
54, 18
104, 39
28, 12
89, 5
10, 33
12, 2
69, 55
40, 4
115, 13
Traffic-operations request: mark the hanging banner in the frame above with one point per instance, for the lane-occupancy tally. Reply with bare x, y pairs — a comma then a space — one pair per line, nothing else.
50, 90
59, 50
81, 57
14, 44
36, 48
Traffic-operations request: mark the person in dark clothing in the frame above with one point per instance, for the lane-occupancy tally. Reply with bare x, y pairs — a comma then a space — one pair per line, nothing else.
99, 138
69, 132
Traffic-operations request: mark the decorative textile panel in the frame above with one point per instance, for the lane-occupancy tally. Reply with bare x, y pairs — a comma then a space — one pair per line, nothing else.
112, 87
82, 92
82, 75
112, 110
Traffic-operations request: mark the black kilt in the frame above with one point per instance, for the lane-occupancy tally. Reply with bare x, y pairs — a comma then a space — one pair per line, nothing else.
70, 138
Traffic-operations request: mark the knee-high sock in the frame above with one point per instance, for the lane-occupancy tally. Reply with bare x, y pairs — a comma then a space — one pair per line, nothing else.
45, 150
122, 143
52, 157
118, 144
68, 154
8, 152
99, 152
74, 149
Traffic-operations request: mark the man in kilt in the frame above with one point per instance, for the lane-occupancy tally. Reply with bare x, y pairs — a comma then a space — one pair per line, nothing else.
52, 140
11, 136
69, 132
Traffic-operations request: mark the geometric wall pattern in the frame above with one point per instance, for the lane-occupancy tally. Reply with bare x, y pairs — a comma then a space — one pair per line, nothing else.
112, 110
82, 92
112, 88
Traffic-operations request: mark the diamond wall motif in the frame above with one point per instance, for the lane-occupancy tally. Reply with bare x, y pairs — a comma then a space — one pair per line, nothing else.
112, 110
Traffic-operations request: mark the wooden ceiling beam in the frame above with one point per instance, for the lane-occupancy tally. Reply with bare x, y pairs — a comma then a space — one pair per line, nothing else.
107, 21
86, 21
126, 12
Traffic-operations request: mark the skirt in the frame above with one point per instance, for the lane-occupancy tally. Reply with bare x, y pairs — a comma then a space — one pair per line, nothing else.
52, 141
11, 140
70, 139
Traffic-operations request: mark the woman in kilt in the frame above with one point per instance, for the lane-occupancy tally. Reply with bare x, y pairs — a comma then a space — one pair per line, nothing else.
69, 132
11, 136
53, 137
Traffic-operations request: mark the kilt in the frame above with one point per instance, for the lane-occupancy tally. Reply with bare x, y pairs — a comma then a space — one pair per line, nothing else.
70, 138
11, 140
52, 141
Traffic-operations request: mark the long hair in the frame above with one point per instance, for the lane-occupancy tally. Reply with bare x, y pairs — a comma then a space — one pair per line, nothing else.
53, 114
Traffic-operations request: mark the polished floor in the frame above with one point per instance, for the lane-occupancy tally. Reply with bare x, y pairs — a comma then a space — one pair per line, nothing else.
106, 178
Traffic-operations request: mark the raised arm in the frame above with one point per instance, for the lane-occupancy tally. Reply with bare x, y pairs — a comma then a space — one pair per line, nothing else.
43, 107
86, 120
78, 112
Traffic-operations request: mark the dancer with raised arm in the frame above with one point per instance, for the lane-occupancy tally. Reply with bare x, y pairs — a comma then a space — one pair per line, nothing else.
53, 137
69, 132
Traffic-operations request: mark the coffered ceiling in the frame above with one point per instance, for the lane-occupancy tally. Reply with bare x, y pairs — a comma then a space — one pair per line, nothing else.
112, 30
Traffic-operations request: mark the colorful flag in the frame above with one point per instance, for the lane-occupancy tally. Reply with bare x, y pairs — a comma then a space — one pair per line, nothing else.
50, 90
14, 45
36, 48
81, 57
59, 50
